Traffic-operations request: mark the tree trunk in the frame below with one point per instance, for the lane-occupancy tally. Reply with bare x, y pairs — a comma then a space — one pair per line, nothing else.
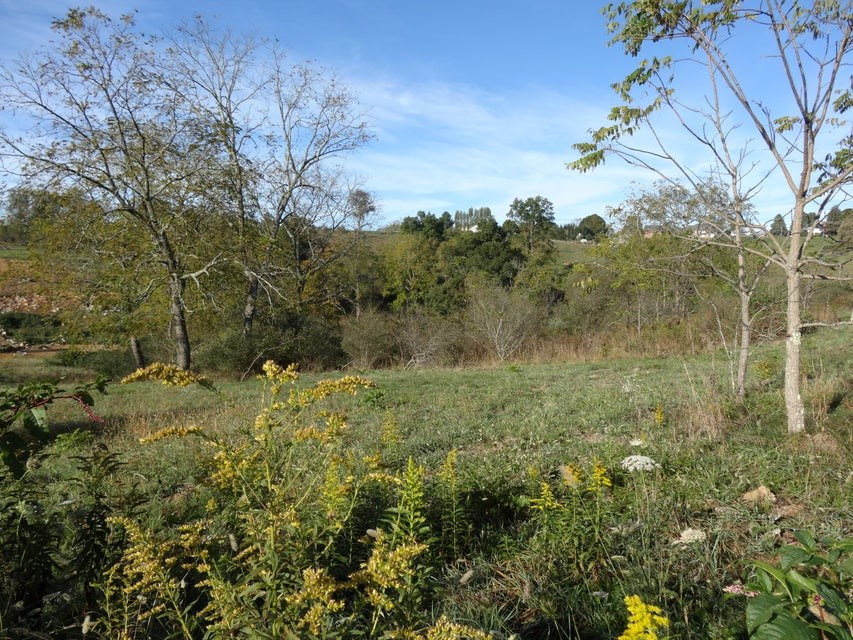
136, 350
250, 307
745, 319
178, 322
743, 352
793, 401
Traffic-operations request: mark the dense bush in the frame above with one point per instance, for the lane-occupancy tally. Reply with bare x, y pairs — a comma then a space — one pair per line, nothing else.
31, 328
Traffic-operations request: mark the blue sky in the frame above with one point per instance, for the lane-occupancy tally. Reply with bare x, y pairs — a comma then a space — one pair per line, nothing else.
473, 102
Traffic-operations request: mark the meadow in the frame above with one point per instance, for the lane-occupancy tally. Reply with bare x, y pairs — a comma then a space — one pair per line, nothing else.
596, 499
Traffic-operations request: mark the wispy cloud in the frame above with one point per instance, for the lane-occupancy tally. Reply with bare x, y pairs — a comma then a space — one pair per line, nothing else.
450, 147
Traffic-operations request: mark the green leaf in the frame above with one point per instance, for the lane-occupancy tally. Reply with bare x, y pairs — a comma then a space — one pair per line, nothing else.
792, 555
806, 539
833, 601
801, 581
35, 422
784, 627
833, 631
760, 609
776, 573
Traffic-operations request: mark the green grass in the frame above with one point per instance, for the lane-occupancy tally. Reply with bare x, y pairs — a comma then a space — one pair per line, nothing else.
13, 252
570, 251
512, 427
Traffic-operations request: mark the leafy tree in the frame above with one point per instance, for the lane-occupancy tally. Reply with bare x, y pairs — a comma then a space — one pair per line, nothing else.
592, 227
486, 252
535, 219
428, 225
778, 226
834, 219
567, 231
472, 219
810, 43
104, 118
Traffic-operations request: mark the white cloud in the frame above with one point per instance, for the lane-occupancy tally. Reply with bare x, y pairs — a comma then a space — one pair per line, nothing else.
447, 147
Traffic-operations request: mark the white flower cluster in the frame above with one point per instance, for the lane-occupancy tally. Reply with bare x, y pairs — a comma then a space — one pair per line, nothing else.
689, 536
639, 463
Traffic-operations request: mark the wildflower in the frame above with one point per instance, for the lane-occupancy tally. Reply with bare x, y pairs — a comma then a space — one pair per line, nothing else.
637, 442
317, 593
644, 620
179, 432
739, 590
660, 416
444, 629
689, 536
639, 463
279, 376
168, 374
599, 479
390, 433
546, 500
570, 475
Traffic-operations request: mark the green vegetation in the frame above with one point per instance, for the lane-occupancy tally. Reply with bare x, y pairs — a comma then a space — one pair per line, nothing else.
528, 500
570, 431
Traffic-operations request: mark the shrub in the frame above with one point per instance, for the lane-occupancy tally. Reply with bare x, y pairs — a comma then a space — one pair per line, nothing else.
31, 328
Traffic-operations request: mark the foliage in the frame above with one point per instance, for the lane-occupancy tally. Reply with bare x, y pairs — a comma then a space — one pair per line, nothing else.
31, 328
805, 595
284, 496
778, 226
28, 404
593, 227
534, 218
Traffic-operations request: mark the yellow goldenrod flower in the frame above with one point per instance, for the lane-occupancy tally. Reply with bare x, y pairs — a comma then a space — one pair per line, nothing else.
444, 629
168, 432
644, 620
279, 376
598, 479
570, 475
318, 589
546, 500
168, 374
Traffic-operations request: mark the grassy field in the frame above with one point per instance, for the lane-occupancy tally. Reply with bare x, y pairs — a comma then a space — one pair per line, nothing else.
530, 522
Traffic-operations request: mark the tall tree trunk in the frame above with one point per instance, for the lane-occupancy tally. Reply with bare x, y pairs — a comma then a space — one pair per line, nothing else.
743, 349
136, 350
178, 321
250, 307
793, 401
745, 319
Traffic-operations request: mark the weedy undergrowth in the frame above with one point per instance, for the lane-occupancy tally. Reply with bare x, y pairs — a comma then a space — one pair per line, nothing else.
805, 595
270, 557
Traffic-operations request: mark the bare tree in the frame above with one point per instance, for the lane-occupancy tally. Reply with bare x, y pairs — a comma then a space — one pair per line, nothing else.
811, 147
502, 320
281, 132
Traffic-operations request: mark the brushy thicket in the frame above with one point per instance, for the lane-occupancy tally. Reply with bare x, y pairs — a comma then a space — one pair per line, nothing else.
300, 523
